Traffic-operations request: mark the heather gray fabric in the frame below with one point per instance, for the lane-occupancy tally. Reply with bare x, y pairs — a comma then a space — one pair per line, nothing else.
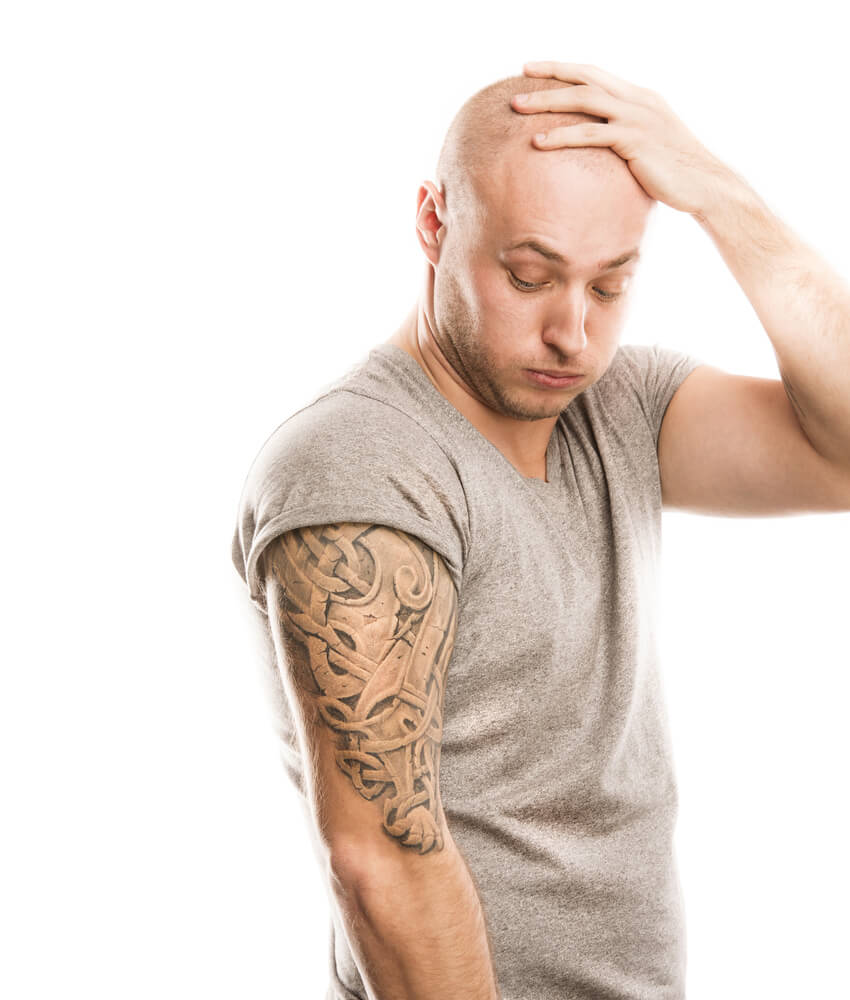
556, 770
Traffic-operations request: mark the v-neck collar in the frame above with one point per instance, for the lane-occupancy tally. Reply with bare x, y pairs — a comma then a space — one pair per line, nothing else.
554, 471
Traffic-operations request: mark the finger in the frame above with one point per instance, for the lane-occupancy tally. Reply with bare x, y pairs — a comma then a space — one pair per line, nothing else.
584, 73
579, 97
584, 134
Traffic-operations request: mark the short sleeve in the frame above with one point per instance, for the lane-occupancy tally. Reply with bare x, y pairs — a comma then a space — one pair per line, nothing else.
350, 457
656, 373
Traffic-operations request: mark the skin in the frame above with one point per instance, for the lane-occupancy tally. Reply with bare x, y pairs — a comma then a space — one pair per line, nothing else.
473, 332
364, 617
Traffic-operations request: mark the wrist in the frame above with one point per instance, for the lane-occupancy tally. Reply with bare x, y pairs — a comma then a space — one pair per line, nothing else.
743, 227
728, 195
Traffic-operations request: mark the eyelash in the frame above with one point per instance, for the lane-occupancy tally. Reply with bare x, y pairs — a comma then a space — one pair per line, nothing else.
527, 286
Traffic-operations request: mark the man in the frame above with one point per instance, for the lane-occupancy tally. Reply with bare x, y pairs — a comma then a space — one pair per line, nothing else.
452, 555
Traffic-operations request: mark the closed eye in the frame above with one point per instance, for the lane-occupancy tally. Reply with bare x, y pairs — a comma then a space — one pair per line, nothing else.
522, 284
528, 286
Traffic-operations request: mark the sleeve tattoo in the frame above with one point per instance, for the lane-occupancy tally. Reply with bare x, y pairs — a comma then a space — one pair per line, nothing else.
366, 618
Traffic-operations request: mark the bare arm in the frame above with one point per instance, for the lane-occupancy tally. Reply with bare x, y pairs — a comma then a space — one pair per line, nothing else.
363, 619
804, 307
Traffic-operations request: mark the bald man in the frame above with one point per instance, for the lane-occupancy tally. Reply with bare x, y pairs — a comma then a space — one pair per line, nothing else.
451, 551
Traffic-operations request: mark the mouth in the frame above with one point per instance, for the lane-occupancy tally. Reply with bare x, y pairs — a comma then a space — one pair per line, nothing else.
554, 379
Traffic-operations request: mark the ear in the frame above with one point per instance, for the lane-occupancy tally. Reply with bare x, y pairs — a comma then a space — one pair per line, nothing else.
430, 220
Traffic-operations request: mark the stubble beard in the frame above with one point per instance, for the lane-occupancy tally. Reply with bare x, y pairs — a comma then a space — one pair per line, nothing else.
459, 338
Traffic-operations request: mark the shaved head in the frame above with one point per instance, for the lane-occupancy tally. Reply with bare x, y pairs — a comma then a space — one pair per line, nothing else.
530, 253
487, 139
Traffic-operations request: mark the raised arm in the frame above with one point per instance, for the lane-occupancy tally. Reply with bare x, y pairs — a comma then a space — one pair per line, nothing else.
363, 618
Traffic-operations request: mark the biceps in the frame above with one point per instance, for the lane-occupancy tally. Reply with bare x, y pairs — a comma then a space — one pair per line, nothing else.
732, 445
363, 617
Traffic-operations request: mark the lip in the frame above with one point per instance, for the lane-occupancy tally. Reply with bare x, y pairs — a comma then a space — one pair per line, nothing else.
555, 381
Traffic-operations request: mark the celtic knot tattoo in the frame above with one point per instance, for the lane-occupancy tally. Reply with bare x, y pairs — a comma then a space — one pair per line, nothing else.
374, 612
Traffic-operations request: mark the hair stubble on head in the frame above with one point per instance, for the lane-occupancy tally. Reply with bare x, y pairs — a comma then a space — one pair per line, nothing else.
486, 128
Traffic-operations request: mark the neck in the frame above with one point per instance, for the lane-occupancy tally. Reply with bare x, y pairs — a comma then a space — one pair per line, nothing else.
523, 442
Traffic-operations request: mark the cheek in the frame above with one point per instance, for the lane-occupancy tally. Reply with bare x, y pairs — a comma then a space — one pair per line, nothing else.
505, 304
453, 298
486, 287
479, 302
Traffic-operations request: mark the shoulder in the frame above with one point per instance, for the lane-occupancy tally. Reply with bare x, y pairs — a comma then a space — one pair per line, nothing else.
647, 371
641, 379
629, 367
347, 429
348, 457
621, 386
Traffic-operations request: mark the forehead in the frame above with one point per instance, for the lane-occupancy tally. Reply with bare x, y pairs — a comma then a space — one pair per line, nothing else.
581, 206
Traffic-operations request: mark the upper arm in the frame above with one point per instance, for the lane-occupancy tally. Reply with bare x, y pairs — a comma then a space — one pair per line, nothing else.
363, 618
732, 444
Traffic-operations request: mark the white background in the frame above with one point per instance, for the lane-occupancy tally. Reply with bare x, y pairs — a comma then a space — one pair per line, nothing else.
207, 212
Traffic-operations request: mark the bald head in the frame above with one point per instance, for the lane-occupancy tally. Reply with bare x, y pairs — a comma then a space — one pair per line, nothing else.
529, 253
487, 138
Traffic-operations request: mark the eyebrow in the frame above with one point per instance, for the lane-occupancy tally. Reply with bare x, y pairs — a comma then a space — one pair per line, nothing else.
551, 254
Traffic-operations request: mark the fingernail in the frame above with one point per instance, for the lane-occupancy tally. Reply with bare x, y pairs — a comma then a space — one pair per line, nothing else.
521, 98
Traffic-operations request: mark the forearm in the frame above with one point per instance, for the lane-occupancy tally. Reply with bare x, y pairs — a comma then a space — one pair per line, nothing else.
802, 303
417, 930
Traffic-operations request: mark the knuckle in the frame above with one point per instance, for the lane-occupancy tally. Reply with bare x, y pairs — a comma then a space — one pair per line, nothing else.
652, 97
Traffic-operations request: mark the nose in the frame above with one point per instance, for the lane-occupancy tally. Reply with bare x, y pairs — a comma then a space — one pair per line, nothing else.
563, 325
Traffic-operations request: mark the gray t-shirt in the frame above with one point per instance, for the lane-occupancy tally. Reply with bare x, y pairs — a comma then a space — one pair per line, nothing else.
556, 770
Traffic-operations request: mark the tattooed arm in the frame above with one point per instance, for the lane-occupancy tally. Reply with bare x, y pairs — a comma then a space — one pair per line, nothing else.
363, 618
